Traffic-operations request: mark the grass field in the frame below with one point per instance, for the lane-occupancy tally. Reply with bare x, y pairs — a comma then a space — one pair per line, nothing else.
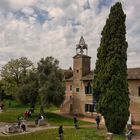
69, 134
10, 115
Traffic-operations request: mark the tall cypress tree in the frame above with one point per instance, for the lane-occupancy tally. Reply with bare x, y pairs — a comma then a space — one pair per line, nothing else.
110, 74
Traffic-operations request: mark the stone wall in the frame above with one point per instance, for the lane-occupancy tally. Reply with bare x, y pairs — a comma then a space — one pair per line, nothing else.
135, 109
134, 100
133, 87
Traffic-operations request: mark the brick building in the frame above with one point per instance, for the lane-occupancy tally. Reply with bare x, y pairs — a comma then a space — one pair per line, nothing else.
78, 95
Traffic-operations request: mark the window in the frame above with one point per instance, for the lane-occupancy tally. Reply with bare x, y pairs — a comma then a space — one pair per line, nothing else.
70, 87
89, 108
139, 91
77, 89
88, 89
77, 71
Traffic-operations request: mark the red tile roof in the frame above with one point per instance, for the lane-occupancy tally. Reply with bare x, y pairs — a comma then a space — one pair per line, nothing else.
133, 74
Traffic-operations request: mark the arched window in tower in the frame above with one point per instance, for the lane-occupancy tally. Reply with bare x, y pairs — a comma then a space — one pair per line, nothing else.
88, 88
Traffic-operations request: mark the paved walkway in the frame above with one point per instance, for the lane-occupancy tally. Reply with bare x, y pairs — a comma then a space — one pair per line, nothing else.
32, 128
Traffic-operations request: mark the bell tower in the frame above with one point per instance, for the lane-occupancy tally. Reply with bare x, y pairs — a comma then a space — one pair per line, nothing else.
81, 67
81, 46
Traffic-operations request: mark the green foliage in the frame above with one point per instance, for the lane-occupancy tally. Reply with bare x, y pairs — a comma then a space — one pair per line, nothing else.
28, 92
51, 89
110, 74
13, 74
22, 80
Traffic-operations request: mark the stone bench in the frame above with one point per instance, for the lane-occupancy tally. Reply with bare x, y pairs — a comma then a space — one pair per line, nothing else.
41, 122
13, 128
109, 136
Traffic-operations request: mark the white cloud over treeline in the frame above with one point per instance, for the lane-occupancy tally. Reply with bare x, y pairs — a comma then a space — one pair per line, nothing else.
40, 28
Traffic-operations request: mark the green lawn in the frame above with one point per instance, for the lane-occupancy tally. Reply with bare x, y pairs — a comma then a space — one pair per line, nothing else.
69, 134
10, 115
55, 119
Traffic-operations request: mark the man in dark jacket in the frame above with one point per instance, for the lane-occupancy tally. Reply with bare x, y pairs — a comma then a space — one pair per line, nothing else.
75, 121
60, 132
97, 121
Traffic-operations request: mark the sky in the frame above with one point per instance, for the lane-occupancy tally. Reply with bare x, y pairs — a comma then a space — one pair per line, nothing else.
41, 28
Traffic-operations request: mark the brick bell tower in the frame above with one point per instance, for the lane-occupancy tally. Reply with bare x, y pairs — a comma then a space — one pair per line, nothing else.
81, 67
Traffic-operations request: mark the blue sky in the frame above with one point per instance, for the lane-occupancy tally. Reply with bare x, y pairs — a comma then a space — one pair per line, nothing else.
40, 28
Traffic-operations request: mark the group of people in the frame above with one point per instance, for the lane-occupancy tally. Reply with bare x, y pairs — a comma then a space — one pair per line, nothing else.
60, 130
28, 114
40, 118
97, 119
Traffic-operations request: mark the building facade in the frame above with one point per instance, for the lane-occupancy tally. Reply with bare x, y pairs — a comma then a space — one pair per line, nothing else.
78, 97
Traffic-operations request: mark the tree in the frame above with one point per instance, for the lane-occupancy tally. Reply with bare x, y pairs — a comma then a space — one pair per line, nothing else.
110, 74
15, 69
28, 92
14, 73
26, 65
51, 88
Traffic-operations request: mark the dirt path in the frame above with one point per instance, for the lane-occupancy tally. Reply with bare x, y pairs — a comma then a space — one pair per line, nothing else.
32, 128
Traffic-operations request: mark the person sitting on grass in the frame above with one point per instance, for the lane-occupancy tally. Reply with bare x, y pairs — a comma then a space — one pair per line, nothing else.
23, 126
39, 120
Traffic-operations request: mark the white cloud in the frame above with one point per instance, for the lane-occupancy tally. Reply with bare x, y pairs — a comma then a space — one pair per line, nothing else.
16, 4
22, 32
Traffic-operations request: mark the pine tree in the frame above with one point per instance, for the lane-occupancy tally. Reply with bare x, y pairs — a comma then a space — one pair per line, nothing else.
110, 74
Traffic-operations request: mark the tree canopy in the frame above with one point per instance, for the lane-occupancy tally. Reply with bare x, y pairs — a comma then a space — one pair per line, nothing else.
51, 86
43, 84
110, 74
14, 73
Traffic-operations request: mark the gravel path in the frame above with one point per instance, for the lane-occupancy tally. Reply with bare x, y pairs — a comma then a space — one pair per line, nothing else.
33, 128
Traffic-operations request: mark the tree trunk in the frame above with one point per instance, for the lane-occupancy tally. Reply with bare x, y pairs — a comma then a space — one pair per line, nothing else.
42, 110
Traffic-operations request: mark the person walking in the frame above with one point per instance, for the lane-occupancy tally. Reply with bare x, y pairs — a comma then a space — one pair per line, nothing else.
97, 121
60, 132
75, 121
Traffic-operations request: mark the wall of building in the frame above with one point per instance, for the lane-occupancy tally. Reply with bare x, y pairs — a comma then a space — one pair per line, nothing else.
85, 65
133, 87
81, 66
134, 100
68, 92
135, 109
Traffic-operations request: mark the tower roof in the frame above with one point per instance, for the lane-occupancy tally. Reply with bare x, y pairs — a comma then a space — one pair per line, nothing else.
82, 45
82, 41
